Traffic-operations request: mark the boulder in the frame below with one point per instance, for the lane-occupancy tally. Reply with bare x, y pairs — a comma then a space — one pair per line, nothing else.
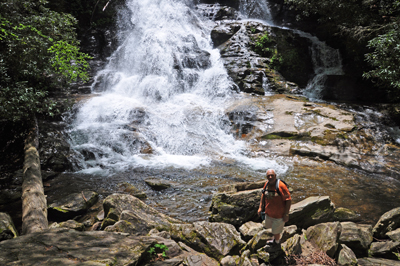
325, 236
7, 228
230, 261
311, 211
140, 218
384, 249
394, 235
377, 261
293, 246
250, 229
73, 205
242, 186
125, 187
346, 256
217, 240
358, 237
389, 221
194, 258
70, 224
235, 208
224, 31
67, 247
345, 215
158, 184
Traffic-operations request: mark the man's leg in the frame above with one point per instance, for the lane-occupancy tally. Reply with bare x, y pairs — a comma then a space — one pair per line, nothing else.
277, 229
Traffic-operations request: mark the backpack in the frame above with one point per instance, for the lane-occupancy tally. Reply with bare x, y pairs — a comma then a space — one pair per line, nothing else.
276, 186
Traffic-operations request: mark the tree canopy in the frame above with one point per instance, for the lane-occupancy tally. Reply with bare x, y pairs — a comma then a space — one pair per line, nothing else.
38, 47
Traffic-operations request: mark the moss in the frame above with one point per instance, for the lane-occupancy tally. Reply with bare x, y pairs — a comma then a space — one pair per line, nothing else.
60, 209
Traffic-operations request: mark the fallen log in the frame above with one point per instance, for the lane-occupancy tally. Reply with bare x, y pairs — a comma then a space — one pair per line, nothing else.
34, 204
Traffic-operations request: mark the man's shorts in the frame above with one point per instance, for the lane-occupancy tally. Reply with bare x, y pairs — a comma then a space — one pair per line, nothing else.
275, 224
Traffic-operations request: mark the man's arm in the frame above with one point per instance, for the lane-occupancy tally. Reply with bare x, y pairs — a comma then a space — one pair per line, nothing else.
288, 203
261, 205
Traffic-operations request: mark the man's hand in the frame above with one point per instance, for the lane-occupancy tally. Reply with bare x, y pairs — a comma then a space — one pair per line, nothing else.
285, 218
259, 211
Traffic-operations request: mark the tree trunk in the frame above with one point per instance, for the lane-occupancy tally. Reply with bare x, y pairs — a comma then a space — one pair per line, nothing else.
34, 204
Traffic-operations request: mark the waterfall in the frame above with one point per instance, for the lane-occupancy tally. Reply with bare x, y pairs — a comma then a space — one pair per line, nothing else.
326, 61
161, 99
255, 9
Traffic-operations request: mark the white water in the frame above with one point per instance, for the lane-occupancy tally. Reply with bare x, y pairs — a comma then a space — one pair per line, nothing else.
326, 61
146, 102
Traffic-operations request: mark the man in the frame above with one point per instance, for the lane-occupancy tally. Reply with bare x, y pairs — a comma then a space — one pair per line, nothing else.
277, 206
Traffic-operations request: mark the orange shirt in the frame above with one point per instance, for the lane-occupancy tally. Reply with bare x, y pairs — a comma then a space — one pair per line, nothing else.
275, 204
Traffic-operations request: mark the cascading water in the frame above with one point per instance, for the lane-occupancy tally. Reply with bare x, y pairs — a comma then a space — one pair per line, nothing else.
327, 61
162, 97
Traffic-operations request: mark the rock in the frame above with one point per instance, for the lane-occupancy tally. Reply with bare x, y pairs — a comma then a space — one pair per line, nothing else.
293, 246
325, 236
346, 256
255, 71
228, 261
384, 249
217, 240
358, 237
235, 208
311, 211
194, 258
139, 218
223, 32
377, 261
236, 187
260, 239
70, 224
157, 184
7, 228
250, 229
72, 205
345, 215
389, 221
131, 190
220, 236
394, 235
53, 247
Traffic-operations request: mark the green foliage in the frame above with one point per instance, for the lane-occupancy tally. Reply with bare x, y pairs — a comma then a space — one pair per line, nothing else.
38, 48
385, 58
157, 248
264, 45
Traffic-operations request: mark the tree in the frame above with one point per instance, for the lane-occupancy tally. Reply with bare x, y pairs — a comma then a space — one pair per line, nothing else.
38, 48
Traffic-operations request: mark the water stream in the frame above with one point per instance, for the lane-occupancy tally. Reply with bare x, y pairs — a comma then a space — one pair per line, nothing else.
159, 111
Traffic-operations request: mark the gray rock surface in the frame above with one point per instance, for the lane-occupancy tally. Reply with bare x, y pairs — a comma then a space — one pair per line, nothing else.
346, 256
325, 236
72, 205
138, 217
358, 237
389, 221
311, 211
7, 228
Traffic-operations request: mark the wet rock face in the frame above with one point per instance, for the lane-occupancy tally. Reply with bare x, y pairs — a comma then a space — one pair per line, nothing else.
291, 126
260, 57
